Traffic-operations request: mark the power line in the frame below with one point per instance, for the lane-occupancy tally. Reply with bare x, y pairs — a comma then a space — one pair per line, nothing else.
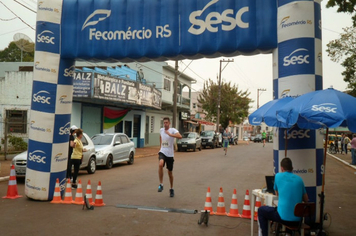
25, 6
17, 16
194, 72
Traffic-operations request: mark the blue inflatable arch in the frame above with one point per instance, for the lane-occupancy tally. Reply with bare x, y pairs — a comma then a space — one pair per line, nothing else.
142, 30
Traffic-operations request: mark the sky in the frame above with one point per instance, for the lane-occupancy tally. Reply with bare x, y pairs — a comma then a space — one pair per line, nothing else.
247, 72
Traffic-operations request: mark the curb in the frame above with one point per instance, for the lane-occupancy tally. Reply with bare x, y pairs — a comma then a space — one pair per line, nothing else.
3, 179
342, 161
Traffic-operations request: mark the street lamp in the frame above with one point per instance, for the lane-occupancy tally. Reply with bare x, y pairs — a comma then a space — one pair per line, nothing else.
219, 97
258, 96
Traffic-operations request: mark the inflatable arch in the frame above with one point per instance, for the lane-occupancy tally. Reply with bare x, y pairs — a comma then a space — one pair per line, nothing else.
138, 30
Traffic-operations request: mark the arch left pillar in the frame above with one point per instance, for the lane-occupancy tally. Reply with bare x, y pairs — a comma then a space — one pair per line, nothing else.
51, 106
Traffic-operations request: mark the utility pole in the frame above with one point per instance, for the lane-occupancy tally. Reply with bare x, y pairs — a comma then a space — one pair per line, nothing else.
258, 96
219, 97
175, 96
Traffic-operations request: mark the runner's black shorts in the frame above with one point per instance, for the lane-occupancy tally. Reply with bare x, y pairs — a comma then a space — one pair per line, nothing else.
166, 160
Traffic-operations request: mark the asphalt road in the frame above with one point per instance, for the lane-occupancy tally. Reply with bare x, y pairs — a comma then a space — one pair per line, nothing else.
243, 168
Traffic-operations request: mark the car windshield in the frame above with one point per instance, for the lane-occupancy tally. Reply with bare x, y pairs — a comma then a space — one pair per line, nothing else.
207, 134
102, 139
188, 135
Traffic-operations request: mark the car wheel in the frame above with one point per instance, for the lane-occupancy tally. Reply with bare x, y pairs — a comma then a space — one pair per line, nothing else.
131, 159
204, 147
179, 149
213, 146
109, 162
91, 168
195, 148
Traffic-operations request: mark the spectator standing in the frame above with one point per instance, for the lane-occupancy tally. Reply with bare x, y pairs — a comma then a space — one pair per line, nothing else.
353, 149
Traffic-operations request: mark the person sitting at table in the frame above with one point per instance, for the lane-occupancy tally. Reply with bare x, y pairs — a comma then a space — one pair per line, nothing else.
290, 190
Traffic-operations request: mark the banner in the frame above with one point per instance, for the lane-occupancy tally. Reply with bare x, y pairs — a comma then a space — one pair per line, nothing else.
82, 84
170, 29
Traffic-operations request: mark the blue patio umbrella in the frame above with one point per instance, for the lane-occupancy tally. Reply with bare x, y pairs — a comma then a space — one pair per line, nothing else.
328, 108
267, 113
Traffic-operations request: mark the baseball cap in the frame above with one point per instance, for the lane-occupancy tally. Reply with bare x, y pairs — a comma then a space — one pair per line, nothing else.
73, 127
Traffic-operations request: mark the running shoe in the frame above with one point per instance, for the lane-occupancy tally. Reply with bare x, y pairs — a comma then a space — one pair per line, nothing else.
171, 192
160, 188
74, 186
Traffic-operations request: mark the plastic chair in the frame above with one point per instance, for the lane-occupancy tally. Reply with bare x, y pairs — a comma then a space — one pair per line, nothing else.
302, 210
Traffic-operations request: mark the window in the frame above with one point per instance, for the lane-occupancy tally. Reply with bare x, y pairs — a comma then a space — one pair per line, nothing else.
118, 127
194, 105
17, 121
124, 139
128, 125
117, 139
152, 123
84, 141
167, 84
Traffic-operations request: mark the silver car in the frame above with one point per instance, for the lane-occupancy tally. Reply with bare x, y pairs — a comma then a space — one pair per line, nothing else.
89, 158
189, 140
113, 148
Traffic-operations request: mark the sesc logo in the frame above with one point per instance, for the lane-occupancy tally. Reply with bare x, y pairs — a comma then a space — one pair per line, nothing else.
214, 18
325, 107
62, 184
45, 37
64, 129
42, 97
298, 56
254, 121
37, 156
100, 12
69, 72
297, 134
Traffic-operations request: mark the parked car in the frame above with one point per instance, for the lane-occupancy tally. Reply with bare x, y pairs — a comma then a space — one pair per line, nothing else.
258, 138
88, 163
189, 140
252, 138
113, 148
245, 138
209, 139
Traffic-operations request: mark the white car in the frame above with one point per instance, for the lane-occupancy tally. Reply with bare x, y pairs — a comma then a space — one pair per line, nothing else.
89, 158
113, 148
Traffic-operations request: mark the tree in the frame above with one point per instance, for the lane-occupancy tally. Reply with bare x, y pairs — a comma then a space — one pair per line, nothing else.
13, 54
234, 104
344, 49
347, 6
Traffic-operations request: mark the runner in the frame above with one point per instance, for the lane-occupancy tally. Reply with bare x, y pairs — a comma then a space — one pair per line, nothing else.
226, 137
264, 135
166, 153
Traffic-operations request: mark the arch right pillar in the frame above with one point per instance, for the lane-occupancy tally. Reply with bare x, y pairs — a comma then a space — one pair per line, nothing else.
297, 69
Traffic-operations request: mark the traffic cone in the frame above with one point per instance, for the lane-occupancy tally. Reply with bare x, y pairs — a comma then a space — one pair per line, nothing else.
246, 210
12, 192
57, 193
79, 194
68, 199
88, 194
99, 196
208, 205
257, 205
234, 209
220, 211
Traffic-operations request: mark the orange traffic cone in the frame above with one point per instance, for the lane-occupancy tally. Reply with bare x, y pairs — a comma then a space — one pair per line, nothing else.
208, 205
79, 194
220, 211
89, 194
99, 196
68, 199
234, 209
12, 192
57, 193
257, 205
246, 210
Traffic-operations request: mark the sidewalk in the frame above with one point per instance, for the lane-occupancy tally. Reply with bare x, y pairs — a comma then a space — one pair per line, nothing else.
140, 152
345, 158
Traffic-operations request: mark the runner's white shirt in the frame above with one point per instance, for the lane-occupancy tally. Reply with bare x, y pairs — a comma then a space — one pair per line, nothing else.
167, 142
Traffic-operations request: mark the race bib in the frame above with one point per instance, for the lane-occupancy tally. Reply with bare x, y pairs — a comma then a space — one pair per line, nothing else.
165, 144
